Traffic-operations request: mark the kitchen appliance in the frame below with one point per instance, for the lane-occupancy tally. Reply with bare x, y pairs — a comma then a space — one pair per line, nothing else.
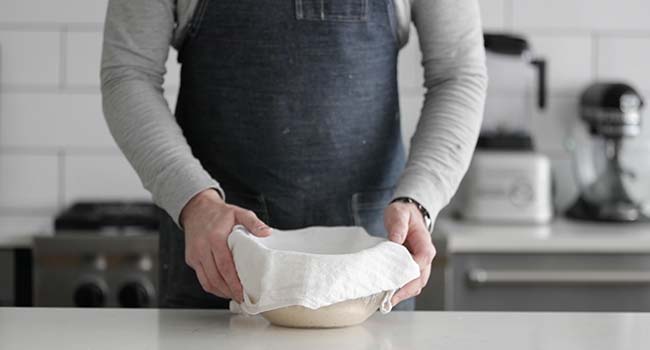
612, 113
518, 83
102, 254
508, 181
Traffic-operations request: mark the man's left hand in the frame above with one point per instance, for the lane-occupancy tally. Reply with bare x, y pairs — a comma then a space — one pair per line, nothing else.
405, 225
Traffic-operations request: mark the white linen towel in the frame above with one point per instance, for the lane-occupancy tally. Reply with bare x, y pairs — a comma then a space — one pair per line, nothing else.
316, 267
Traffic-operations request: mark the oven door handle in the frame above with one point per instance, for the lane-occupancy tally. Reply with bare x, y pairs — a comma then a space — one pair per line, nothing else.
483, 277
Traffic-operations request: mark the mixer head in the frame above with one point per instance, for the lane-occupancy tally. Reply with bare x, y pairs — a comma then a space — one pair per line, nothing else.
611, 110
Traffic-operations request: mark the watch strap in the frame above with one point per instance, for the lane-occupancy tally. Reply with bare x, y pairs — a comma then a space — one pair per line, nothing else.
428, 223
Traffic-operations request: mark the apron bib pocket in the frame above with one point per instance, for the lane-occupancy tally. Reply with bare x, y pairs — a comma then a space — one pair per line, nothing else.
332, 10
368, 210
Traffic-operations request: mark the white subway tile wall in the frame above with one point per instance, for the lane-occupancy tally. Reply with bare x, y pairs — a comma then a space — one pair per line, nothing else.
83, 54
53, 120
55, 147
28, 181
410, 107
29, 58
553, 126
48, 11
25, 225
626, 57
581, 15
570, 61
99, 176
409, 68
494, 13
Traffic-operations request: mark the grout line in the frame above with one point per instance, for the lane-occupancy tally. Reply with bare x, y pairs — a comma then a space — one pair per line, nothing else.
9, 210
90, 151
624, 34
595, 59
86, 27
51, 26
68, 89
55, 151
173, 90
1, 91
46, 89
585, 31
29, 151
508, 14
41, 211
63, 47
61, 180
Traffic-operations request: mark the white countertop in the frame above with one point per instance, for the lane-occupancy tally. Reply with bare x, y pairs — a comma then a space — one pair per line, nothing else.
98, 329
19, 232
560, 236
11, 241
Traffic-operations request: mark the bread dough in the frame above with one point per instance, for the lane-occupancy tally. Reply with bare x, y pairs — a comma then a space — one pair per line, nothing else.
315, 267
342, 314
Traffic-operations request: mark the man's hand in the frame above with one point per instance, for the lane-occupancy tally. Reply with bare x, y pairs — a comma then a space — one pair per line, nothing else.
207, 221
405, 225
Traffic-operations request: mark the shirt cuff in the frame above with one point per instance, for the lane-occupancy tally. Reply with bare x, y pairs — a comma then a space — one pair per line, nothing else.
179, 190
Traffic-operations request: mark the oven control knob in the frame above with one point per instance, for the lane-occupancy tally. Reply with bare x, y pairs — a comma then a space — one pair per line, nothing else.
89, 295
134, 295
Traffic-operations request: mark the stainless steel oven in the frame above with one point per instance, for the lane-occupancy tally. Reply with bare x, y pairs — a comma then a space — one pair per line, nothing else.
101, 255
90, 270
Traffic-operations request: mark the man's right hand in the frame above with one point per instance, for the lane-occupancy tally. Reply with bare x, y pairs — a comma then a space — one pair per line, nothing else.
207, 221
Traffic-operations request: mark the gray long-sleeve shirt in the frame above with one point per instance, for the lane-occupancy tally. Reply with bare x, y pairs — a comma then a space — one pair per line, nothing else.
137, 37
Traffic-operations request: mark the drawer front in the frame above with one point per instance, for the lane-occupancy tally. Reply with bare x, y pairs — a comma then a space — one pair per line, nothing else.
550, 282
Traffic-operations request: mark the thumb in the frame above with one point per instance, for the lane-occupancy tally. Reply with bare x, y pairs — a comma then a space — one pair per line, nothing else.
252, 223
396, 222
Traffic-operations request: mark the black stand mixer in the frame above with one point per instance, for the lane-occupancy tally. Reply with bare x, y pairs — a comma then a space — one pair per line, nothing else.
612, 112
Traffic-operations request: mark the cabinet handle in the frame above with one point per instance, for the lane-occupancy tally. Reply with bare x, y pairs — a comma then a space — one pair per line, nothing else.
482, 277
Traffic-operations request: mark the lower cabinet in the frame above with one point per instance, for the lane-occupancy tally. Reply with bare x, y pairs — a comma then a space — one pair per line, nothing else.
547, 282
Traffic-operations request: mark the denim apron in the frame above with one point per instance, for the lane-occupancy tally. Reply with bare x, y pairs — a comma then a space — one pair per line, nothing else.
292, 105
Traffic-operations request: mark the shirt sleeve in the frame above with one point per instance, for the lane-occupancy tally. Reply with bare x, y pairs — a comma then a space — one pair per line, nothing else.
137, 37
455, 78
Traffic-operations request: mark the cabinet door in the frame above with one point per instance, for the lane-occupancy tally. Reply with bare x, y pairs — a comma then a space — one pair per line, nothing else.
550, 282
6, 278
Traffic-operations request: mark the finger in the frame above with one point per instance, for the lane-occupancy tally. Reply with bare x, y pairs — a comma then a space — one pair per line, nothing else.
412, 288
409, 290
214, 277
424, 277
226, 266
420, 245
205, 283
252, 223
396, 222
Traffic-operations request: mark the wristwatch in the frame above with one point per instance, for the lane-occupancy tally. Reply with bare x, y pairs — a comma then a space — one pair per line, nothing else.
428, 223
